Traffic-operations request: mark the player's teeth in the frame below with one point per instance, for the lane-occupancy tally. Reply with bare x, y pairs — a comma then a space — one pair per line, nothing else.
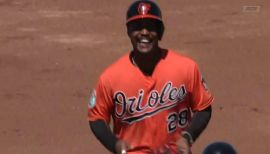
145, 41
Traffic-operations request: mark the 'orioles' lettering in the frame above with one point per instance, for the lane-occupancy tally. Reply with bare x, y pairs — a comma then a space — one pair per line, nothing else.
141, 93
153, 99
167, 98
165, 92
120, 100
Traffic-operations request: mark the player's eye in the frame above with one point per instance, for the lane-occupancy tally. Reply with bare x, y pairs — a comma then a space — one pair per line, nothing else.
136, 26
139, 26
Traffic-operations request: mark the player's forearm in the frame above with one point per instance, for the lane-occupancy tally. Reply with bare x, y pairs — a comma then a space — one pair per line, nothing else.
104, 134
199, 122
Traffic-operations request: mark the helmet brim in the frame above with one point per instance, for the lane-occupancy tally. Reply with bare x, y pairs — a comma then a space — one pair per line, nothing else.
147, 16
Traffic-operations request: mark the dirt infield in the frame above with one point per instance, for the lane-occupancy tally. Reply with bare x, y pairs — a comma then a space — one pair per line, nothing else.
52, 51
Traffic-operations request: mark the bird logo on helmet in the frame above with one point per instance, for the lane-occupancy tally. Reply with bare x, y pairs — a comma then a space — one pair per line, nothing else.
144, 8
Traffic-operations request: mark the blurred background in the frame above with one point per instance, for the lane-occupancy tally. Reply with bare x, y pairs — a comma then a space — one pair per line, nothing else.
52, 52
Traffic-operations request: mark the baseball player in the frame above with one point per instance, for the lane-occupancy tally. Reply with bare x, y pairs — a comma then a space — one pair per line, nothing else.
156, 98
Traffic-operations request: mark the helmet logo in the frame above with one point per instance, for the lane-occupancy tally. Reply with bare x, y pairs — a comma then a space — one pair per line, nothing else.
144, 8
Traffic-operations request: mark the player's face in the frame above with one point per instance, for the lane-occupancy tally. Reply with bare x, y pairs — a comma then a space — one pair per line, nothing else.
144, 35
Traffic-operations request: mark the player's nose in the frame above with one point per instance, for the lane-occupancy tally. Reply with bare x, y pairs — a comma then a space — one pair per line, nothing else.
145, 31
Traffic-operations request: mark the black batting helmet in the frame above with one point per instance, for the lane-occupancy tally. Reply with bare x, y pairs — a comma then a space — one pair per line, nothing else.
145, 9
219, 148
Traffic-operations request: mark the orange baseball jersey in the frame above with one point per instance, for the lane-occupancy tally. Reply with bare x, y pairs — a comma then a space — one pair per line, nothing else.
149, 111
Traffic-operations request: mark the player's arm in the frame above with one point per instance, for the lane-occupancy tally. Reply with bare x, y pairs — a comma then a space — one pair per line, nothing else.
100, 110
201, 106
198, 123
104, 134
99, 113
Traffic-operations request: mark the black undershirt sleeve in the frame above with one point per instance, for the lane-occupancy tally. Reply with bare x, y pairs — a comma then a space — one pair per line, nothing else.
104, 134
199, 122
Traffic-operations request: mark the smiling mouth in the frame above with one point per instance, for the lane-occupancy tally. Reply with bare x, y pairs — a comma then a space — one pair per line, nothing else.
144, 44
144, 41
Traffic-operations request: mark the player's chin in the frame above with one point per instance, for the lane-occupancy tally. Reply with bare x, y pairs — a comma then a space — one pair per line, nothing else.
144, 49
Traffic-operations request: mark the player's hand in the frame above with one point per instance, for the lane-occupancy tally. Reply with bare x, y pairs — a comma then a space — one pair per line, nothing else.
183, 146
122, 147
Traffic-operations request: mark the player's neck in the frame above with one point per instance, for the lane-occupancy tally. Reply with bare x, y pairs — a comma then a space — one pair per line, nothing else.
146, 62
